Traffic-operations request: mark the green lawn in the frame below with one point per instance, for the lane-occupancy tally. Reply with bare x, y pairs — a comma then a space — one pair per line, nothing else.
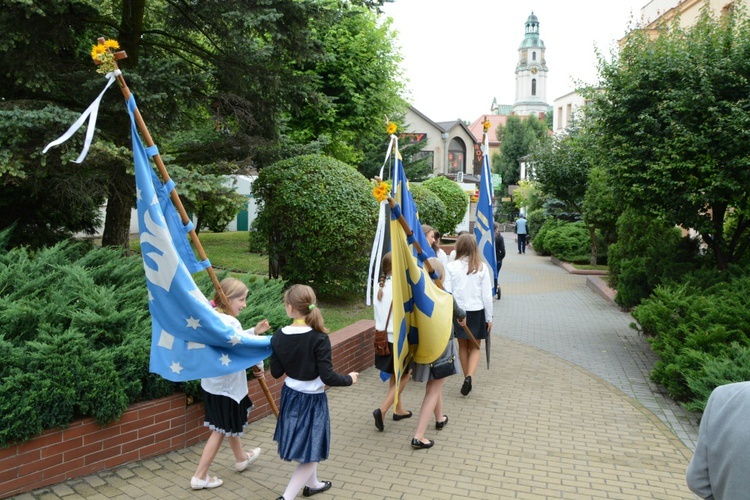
229, 251
589, 267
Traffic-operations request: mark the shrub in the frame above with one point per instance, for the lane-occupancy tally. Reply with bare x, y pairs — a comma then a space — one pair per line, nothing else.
431, 208
701, 334
647, 252
540, 240
455, 199
75, 336
257, 241
319, 215
569, 242
536, 220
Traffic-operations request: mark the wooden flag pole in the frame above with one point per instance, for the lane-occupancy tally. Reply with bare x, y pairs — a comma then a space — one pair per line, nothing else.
418, 247
146, 135
267, 392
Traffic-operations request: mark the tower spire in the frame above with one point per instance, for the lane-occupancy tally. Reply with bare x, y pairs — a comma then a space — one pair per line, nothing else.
531, 72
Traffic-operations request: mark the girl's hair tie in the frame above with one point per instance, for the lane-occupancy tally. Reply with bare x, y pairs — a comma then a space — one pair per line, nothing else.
311, 306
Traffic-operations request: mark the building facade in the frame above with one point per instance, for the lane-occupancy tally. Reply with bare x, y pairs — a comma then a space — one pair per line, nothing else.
450, 145
531, 73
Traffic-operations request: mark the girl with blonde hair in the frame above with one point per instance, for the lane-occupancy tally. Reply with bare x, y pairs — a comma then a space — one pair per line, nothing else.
225, 398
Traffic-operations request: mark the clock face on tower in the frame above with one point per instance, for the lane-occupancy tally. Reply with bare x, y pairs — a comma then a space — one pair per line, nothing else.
534, 70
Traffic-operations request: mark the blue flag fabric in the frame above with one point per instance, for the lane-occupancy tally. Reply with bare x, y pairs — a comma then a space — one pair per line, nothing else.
484, 227
400, 193
189, 339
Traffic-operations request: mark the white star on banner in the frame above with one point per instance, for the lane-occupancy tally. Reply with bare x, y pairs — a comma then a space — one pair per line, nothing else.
176, 367
225, 360
193, 323
235, 339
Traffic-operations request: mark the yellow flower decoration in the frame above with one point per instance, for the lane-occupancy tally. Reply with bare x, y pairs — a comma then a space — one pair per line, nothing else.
392, 127
486, 125
102, 53
380, 190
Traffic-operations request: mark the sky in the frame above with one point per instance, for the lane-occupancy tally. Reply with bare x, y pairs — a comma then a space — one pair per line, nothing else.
460, 54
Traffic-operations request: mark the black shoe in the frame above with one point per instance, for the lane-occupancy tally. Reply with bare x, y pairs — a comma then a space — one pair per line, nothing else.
398, 417
308, 492
379, 419
419, 445
440, 425
280, 498
466, 388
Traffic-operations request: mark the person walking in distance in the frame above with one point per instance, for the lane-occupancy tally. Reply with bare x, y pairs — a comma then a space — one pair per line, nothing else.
499, 255
302, 351
470, 282
522, 231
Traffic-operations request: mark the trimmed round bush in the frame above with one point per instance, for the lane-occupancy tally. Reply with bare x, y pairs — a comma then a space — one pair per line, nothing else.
431, 208
569, 242
455, 199
319, 215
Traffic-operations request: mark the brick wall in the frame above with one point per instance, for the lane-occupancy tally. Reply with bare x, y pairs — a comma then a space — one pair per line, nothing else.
147, 429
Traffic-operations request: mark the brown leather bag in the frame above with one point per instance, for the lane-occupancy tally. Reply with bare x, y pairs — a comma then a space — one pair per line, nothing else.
381, 338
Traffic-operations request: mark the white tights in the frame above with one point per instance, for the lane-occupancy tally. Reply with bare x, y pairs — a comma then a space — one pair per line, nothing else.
304, 475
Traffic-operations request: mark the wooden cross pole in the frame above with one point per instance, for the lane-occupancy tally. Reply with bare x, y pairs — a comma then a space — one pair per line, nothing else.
146, 135
418, 247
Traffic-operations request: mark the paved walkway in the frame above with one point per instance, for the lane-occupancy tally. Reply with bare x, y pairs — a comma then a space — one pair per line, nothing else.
565, 411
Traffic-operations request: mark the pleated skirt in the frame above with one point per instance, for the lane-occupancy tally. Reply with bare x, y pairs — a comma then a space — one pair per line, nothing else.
303, 429
225, 415
476, 323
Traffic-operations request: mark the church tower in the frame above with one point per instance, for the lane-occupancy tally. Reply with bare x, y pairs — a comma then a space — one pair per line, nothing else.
531, 73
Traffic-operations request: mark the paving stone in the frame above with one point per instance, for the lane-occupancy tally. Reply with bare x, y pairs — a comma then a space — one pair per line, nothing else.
566, 410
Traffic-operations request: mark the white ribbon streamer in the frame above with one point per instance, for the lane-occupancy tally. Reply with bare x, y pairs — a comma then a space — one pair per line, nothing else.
377, 245
90, 114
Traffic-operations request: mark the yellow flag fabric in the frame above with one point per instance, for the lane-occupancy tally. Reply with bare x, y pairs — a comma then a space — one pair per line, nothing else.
422, 312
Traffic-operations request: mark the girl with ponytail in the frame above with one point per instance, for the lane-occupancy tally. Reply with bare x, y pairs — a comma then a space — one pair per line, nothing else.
302, 351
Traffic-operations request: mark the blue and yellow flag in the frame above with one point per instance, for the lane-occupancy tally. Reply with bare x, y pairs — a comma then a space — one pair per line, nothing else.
422, 312
189, 339
400, 193
484, 227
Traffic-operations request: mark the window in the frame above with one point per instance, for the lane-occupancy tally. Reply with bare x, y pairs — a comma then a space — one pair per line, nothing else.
428, 156
533, 86
456, 156
533, 56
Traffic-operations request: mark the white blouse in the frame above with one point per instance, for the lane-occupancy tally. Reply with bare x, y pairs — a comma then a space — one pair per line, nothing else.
473, 292
233, 385
381, 308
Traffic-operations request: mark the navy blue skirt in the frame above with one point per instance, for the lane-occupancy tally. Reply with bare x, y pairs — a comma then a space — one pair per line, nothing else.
224, 414
476, 322
303, 429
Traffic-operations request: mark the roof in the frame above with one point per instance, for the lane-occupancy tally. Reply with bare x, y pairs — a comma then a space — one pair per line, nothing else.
444, 126
477, 128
